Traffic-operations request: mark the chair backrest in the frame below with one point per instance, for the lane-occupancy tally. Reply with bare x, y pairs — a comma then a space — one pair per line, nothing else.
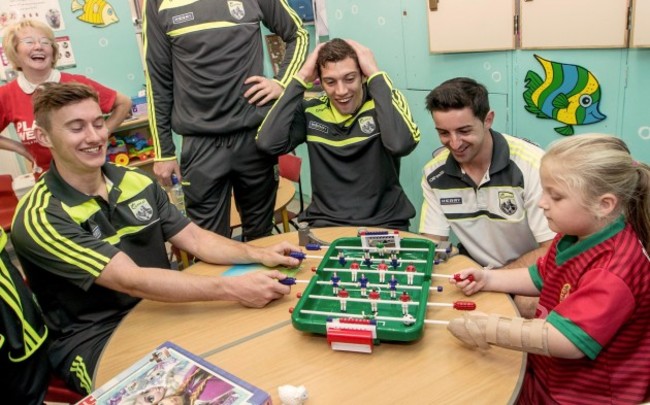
8, 201
289, 167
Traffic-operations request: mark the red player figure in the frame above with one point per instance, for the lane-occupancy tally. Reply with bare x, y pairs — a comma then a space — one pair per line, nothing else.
374, 297
405, 298
343, 295
410, 272
354, 268
335, 283
363, 284
382, 267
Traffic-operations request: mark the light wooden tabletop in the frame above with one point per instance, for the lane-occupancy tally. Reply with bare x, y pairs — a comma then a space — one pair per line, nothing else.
286, 191
262, 347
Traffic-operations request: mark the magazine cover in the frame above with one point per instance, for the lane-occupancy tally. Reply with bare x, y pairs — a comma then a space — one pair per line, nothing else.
171, 375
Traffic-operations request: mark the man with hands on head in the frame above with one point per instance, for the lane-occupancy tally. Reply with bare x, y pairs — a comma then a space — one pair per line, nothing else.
91, 239
356, 134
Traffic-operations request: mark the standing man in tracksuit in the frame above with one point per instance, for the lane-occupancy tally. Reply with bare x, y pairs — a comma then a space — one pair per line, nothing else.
204, 74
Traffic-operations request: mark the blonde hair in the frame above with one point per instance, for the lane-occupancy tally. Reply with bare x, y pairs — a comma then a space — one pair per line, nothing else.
10, 40
595, 164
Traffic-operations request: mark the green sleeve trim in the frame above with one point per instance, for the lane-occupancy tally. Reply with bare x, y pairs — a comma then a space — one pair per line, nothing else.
380, 73
575, 334
537, 279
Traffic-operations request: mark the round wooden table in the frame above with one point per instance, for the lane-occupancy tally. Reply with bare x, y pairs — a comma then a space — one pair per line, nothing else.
262, 347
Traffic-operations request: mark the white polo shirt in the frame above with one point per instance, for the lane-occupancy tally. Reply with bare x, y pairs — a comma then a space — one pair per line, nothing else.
496, 221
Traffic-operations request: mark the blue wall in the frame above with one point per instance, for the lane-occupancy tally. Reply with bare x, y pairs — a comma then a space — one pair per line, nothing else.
397, 33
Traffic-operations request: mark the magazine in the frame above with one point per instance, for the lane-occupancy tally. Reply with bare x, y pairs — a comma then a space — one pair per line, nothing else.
171, 375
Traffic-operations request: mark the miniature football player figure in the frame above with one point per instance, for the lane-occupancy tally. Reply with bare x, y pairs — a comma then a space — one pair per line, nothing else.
393, 259
410, 273
382, 267
342, 258
335, 279
405, 298
354, 269
366, 258
363, 284
381, 251
392, 285
343, 295
374, 297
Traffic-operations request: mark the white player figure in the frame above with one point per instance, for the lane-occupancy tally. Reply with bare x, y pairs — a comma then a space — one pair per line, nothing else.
405, 298
374, 297
354, 269
382, 268
343, 296
410, 273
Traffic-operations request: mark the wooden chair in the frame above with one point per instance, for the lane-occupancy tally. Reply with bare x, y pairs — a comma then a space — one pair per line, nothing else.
289, 167
8, 202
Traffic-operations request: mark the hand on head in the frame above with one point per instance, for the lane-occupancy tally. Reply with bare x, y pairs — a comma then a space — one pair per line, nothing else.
309, 71
367, 61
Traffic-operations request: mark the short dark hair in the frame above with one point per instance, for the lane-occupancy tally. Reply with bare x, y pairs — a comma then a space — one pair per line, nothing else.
335, 50
50, 97
459, 93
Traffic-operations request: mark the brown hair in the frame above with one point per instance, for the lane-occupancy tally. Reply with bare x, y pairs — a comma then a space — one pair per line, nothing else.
10, 40
459, 93
335, 50
50, 97
596, 164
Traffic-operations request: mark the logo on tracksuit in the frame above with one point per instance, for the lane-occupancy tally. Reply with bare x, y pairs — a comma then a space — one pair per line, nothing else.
367, 125
236, 9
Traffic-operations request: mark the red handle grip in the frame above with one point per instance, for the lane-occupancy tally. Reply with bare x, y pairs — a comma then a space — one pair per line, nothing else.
458, 278
465, 305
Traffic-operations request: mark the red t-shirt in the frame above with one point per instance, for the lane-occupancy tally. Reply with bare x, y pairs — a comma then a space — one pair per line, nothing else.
596, 292
16, 108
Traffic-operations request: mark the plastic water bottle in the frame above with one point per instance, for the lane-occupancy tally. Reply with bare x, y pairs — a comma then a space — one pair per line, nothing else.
176, 195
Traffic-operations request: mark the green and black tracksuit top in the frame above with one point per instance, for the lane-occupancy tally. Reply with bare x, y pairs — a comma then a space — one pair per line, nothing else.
198, 54
64, 240
354, 159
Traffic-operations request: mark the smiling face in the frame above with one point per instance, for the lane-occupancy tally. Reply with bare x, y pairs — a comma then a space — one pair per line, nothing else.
150, 396
77, 136
34, 50
342, 82
463, 133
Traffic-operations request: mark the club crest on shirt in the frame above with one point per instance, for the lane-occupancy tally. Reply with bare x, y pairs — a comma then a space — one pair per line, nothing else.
367, 125
141, 209
236, 9
507, 202
564, 293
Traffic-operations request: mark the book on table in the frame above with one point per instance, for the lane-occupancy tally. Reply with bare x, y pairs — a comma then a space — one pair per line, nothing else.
172, 375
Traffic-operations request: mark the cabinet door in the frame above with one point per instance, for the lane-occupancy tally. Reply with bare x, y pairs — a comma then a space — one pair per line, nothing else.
573, 23
640, 35
471, 25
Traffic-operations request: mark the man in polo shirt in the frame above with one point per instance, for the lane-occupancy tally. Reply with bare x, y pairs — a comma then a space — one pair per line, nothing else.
91, 239
484, 186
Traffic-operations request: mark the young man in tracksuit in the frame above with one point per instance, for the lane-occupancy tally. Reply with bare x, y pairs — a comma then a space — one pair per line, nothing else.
356, 135
204, 74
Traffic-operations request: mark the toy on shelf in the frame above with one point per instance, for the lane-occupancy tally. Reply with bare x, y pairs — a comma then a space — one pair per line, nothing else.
117, 152
139, 146
387, 302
